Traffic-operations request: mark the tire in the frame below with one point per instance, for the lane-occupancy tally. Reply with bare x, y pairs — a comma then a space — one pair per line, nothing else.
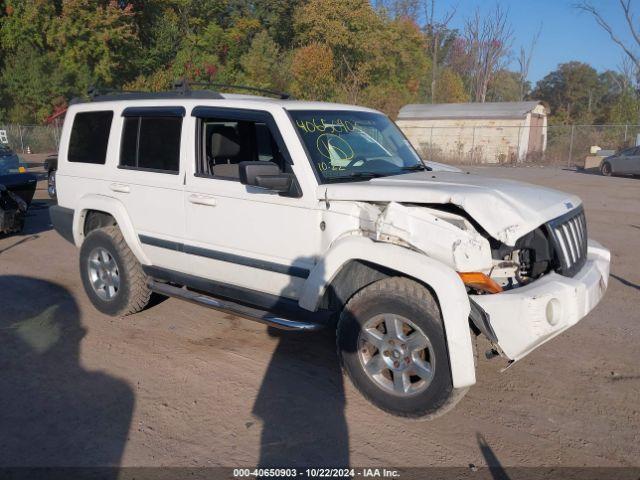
401, 299
105, 259
51, 184
605, 169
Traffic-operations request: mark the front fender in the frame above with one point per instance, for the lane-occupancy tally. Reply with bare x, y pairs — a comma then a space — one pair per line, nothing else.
117, 210
445, 282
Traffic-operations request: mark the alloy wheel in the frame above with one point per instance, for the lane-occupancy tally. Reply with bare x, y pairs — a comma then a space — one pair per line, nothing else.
396, 354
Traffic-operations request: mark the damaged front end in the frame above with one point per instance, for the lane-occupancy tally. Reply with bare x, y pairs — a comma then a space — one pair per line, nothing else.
445, 236
486, 265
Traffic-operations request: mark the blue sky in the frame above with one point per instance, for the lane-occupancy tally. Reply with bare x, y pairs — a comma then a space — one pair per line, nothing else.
567, 34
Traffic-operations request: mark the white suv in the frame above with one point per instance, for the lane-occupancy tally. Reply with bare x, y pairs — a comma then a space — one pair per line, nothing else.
302, 215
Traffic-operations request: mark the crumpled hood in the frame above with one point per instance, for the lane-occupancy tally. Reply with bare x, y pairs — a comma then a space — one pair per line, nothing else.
506, 209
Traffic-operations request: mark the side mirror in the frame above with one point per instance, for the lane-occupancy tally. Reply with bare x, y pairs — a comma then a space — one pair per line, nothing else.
265, 175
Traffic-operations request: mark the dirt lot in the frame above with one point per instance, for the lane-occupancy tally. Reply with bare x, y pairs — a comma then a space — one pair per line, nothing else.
185, 386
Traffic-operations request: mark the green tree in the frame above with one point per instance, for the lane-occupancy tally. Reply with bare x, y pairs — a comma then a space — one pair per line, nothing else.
277, 17
504, 87
572, 92
55, 50
262, 65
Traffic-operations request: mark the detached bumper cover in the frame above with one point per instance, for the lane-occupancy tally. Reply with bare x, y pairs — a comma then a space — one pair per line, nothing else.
526, 317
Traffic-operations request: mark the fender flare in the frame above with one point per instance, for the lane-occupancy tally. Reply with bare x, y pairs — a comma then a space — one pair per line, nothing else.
445, 282
116, 209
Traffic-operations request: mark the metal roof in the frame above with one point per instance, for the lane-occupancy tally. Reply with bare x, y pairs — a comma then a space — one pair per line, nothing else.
467, 110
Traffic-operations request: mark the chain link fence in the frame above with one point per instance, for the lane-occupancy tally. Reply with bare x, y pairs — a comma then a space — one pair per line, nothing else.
560, 145
31, 138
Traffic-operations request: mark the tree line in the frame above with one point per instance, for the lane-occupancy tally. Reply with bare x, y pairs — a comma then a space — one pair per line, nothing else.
383, 54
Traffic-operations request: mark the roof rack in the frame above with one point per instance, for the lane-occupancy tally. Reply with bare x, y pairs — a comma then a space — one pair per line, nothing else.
185, 86
181, 89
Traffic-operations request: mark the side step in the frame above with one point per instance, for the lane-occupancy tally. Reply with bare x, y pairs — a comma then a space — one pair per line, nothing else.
228, 306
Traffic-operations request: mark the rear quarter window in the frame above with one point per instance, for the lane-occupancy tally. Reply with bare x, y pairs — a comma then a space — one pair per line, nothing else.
90, 137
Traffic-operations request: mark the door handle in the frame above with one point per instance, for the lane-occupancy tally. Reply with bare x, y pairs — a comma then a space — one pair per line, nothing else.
202, 200
119, 187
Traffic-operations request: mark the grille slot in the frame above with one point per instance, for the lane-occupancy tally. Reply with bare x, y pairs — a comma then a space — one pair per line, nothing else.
568, 235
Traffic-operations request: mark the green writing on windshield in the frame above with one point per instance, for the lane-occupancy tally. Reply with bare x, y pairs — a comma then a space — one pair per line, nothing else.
321, 126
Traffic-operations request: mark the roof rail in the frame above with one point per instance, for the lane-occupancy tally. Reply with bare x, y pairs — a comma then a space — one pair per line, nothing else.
181, 89
185, 86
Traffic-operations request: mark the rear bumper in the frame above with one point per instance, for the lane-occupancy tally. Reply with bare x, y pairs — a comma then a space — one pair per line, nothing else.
526, 317
62, 221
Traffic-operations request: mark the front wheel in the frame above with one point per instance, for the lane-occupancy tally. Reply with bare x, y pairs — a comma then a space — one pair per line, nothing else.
605, 169
391, 343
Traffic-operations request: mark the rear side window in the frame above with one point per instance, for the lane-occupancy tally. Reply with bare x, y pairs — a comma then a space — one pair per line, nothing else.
151, 143
90, 137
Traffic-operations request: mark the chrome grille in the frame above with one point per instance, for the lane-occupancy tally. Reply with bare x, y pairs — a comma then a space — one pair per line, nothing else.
569, 238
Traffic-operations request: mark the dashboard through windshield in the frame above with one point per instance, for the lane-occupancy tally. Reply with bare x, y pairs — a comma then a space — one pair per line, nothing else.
352, 145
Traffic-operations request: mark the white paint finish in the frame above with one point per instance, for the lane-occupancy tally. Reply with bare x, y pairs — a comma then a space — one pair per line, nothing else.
116, 208
254, 223
147, 203
446, 284
506, 209
518, 316
363, 220
445, 237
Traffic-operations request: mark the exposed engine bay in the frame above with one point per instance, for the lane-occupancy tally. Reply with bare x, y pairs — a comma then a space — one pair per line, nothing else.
450, 234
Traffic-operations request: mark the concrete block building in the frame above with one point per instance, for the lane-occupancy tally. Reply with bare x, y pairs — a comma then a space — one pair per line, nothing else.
492, 132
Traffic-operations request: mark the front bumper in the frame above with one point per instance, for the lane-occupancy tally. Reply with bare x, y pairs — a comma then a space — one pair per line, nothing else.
525, 318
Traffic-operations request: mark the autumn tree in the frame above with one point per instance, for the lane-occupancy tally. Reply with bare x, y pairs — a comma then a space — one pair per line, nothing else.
312, 70
438, 36
451, 88
488, 40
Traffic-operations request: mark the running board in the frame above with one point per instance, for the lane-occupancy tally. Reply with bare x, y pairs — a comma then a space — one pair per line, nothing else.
227, 306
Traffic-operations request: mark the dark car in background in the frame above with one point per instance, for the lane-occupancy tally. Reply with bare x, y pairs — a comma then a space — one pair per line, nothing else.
17, 188
51, 166
625, 162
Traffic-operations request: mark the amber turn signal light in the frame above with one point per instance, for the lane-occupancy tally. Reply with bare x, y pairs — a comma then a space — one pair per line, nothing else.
480, 281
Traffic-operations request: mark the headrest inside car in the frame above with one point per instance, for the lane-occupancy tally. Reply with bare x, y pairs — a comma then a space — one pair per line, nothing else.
225, 142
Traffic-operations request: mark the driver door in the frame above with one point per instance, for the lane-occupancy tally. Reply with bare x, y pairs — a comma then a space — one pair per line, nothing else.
238, 234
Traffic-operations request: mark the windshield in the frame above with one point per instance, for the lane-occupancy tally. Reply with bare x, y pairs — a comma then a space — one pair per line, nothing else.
351, 145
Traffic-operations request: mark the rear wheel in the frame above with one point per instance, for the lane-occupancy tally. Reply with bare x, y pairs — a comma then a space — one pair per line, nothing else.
605, 169
111, 275
51, 184
392, 346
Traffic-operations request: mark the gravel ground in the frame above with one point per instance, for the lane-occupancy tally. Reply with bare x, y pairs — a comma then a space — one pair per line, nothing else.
179, 385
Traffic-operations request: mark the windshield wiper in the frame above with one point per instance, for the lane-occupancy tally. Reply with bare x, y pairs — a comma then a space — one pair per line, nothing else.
356, 175
417, 168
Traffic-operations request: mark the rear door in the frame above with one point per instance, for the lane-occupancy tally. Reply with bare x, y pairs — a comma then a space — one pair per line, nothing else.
149, 179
